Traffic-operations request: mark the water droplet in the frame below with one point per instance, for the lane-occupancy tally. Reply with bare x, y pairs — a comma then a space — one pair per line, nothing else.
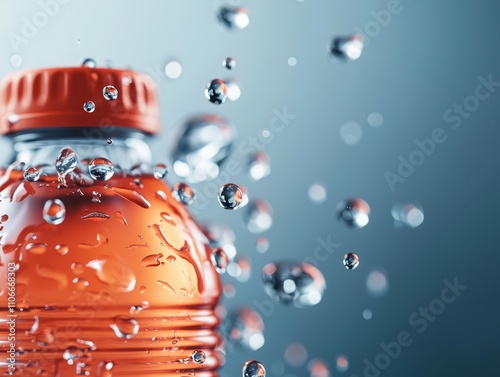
110, 92
171, 259
89, 107
259, 166
109, 141
216, 91
342, 363
66, 161
229, 63
95, 216
125, 327
62, 249
377, 283
198, 356
101, 169
54, 211
409, 215
114, 272
244, 329
152, 260
346, 49
375, 119
12, 119
351, 133
36, 248
16, 60
202, 144
72, 354
233, 18
240, 268
166, 286
318, 368
78, 268
96, 197
317, 193
295, 354
355, 213
142, 289
219, 260
262, 245
183, 193
173, 69
367, 314
258, 216
253, 368
160, 171
105, 369
31, 174
230, 196
4, 218
351, 261
119, 217
292, 61
89, 63
299, 284
80, 283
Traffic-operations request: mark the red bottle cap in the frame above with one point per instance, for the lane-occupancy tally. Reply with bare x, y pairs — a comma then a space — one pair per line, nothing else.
54, 97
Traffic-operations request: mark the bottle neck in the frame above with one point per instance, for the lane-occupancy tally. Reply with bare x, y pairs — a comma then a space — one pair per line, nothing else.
124, 150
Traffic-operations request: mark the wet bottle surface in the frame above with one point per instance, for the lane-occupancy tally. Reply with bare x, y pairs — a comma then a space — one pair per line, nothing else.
113, 278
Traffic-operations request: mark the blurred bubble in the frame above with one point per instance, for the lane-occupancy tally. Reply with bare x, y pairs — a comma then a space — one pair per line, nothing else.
229, 63
342, 363
200, 147
233, 17
262, 245
244, 329
351, 133
219, 260
216, 91
355, 213
317, 193
295, 355
278, 368
375, 119
346, 49
89, 63
233, 90
351, 261
229, 290
292, 62
318, 368
16, 60
290, 283
183, 193
240, 268
377, 283
409, 215
259, 166
258, 216
220, 235
173, 69
367, 314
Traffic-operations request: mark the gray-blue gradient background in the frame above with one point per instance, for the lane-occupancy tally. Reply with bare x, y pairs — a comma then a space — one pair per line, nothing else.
426, 59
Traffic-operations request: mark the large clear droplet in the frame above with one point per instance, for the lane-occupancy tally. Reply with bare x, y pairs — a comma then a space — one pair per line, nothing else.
355, 213
203, 143
89, 107
54, 211
183, 193
229, 63
110, 92
233, 17
125, 327
299, 284
66, 161
230, 196
31, 174
258, 216
198, 356
216, 91
101, 169
351, 261
346, 49
252, 368
219, 260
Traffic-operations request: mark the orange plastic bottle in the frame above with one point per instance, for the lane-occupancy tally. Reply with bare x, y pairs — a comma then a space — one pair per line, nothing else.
104, 278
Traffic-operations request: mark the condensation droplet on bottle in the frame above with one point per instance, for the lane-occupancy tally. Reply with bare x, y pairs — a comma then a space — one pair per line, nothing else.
125, 327
355, 213
152, 260
31, 174
142, 289
36, 248
101, 169
351, 261
54, 211
62, 249
110, 93
346, 49
96, 216
252, 368
72, 354
119, 217
80, 283
12, 119
66, 161
233, 17
166, 286
230, 196
160, 171
78, 268
229, 63
89, 63
244, 329
219, 260
216, 91
259, 166
299, 284
183, 193
105, 369
96, 197
258, 216
109, 141
114, 272
171, 259
89, 107
198, 356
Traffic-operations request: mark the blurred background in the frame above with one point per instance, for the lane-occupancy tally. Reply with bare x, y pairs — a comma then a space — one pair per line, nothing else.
410, 127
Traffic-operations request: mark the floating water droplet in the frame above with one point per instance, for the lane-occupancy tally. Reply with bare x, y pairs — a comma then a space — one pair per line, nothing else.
295, 354
367, 314
342, 363
31, 174
216, 91
62, 249
259, 166
262, 245
110, 92
351, 133
202, 144
351, 261
183, 193
160, 171
258, 216
244, 329
318, 368
240, 268
173, 69
377, 283
292, 61
16, 60
375, 119
219, 260
233, 18
229, 63
221, 235
109, 141
233, 90
198, 356
89, 63
230, 196
409, 215
114, 272
89, 106
346, 49
54, 211
125, 327
101, 169
317, 193
66, 161
299, 284
355, 213
253, 368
